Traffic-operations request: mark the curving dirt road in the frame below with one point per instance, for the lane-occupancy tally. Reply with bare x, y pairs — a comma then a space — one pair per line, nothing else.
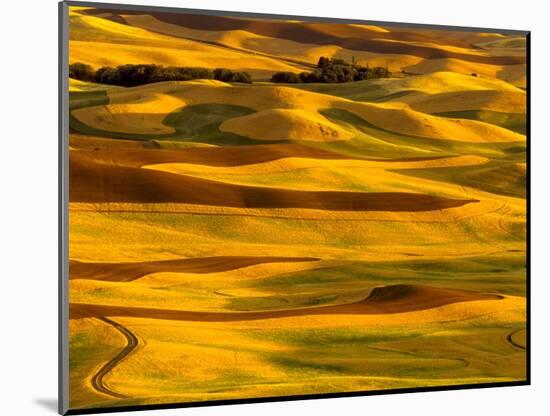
132, 342
510, 339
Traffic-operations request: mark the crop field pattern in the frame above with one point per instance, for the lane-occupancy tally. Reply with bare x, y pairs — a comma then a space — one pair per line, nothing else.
242, 235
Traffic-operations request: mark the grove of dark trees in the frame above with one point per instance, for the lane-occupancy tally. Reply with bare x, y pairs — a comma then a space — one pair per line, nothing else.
82, 72
333, 71
132, 75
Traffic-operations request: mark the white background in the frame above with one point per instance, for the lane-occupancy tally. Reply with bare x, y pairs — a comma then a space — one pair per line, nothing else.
28, 219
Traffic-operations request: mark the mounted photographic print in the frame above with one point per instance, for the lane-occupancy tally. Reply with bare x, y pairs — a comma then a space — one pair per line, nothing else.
261, 208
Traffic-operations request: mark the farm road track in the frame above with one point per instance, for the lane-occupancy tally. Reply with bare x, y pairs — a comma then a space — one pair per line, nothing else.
132, 343
510, 339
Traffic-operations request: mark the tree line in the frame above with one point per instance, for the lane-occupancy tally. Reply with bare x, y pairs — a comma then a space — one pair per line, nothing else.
333, 71
133, 75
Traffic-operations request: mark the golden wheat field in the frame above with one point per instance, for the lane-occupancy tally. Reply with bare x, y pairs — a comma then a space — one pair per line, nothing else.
320, 208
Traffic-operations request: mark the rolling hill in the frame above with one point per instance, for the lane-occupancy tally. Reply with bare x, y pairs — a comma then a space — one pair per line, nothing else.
232, 240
